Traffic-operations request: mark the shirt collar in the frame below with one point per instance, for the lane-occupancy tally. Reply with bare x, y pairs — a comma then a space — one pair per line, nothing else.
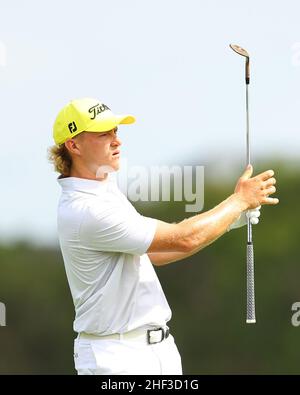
75, 184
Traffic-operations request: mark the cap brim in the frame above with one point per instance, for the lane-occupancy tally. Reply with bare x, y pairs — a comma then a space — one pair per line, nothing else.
110, 123
126, 119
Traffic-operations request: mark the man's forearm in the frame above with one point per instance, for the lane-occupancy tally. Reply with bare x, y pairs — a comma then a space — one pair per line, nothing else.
202, 230
164, 258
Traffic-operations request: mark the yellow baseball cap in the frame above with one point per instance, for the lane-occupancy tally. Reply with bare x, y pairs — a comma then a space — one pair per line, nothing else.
86, 115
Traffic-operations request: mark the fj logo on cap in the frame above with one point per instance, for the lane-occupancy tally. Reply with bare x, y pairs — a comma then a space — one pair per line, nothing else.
72, 127
98, 109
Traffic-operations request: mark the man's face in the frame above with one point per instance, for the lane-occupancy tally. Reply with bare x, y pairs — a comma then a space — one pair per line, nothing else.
99, 149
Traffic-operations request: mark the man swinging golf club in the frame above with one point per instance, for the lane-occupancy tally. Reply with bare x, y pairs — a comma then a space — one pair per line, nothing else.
109, 249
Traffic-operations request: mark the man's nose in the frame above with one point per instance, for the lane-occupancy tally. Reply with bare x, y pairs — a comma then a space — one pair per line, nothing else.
117, 141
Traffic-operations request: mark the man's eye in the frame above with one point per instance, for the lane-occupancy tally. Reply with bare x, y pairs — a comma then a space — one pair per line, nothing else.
102, 134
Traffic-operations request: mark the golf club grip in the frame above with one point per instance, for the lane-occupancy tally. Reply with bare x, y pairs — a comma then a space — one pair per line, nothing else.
250, 285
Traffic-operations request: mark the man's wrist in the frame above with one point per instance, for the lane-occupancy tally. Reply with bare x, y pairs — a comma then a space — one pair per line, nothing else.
239, 202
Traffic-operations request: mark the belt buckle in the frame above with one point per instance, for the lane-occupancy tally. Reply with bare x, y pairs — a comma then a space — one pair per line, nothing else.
164, 335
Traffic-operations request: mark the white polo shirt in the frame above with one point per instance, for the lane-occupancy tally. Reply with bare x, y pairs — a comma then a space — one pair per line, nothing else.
104, 240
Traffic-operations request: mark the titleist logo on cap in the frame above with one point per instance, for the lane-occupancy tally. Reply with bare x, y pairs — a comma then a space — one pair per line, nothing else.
98, 109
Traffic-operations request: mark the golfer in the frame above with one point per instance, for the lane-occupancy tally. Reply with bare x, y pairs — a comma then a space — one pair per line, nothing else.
109, 249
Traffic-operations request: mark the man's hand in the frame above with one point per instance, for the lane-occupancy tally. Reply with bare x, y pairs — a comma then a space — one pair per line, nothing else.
253, 192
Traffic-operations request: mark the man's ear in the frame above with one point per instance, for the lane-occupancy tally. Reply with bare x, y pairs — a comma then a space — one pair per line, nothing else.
73, 146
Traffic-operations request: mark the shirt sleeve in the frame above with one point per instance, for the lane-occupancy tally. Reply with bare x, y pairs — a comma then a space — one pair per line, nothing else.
109, 227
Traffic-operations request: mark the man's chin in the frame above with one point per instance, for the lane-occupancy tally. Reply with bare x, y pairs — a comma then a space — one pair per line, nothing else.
104, 169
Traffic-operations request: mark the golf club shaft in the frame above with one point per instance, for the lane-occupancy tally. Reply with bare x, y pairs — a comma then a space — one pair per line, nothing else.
250, 251
249, 228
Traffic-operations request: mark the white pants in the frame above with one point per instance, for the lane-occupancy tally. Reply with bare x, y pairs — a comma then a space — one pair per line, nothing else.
126, 357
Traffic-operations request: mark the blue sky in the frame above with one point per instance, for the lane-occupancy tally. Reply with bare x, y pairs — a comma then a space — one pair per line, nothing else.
167, 62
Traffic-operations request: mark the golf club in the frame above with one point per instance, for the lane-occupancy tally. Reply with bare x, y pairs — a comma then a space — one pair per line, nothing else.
250, 252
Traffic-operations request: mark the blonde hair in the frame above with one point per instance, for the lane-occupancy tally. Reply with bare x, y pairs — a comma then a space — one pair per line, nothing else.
61, 159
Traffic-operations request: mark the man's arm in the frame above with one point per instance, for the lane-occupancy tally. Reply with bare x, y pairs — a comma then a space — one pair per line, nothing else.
211, 231
163, 258
177, 241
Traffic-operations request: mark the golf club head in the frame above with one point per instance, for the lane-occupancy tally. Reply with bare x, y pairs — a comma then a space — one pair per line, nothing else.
239, 50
